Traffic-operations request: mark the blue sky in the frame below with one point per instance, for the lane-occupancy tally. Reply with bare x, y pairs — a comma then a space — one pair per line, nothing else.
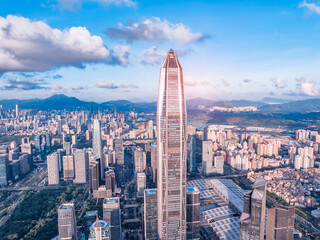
112, 49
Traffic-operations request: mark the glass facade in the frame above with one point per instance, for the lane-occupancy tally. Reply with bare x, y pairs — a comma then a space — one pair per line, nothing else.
172, 151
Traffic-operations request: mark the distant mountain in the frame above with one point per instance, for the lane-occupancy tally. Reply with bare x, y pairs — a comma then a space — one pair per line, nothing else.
302, 106
196, 102
61, 101
271, 100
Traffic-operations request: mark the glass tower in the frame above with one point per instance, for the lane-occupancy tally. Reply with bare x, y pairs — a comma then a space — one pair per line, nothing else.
172, 151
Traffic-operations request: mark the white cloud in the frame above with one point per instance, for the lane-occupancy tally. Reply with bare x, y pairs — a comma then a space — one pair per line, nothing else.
312, 6
225, 82
110, 85
247, 80
128, 3
191, 81
34, 46
152, 55
153, 30
278, 82
307, 87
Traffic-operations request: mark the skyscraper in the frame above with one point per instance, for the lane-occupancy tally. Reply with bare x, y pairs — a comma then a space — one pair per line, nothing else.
17, 111
80, 166
139, 160
150, 214
67, 223
252, 220
4, 169
172, 150
280, 223
192, 161
193, 213
141, 183
96, 144
154, 162
68, 167
112, 215
119, 157
93, 176
53, 168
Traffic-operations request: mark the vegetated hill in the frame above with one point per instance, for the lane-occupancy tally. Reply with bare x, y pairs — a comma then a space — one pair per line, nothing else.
302, 106
61, 101
195, 102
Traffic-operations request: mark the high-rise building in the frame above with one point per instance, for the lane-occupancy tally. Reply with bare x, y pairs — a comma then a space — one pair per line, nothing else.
37, 142
150, 214
141, 183
4, 169
119, 157
280, 223
110, 182
207, 156
154, 162
112, 215
192, 160
67, 223
17, 111
139, 160
93, 176
80, 166
252, 220
96, 144
53, 168
68, 168
48, 140
193, 213
172, 151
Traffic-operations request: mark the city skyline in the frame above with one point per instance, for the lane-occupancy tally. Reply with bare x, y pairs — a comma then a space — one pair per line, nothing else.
275, 55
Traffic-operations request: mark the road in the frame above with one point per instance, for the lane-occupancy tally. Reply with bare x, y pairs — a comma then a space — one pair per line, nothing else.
32, 182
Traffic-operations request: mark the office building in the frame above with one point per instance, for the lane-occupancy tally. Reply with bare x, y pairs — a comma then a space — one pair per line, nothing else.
139, 160
68, 168
4, 169
93, 176
53, 168
119, 158
192, 158
141, 183
110, 182
252, 220
193, 213
67, 224
172, 151
154, 162
80, 166
150, 214
112, 215
96, 141
280, 223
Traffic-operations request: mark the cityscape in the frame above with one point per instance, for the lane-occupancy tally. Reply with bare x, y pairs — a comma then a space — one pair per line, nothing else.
158, 154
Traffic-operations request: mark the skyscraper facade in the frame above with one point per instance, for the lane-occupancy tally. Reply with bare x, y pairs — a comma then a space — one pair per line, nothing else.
193, 213
96, 145
139, 160
67, 223
150, 214
280, 223
154, 162
252, 220
80, 166
119, 157
192, 154
172, 151
4, 169
112, 215
53, 168
68, 167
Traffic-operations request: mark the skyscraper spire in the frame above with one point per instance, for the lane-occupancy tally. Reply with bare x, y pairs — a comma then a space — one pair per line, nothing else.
172, 150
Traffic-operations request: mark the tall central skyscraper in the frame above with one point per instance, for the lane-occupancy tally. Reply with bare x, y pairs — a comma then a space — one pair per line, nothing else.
172, 151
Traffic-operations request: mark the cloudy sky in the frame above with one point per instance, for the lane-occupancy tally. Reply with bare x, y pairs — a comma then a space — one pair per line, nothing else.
112, 49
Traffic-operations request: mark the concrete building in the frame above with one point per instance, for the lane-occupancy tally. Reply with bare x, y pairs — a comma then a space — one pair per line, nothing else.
68, 168
67, 224
112, 215
193, 213
280, 223
154, 162
139, 160
53, 168
119, 158
93, 176
81, 162
141, 184
110, 182
150, 214
4, 169
252, 220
